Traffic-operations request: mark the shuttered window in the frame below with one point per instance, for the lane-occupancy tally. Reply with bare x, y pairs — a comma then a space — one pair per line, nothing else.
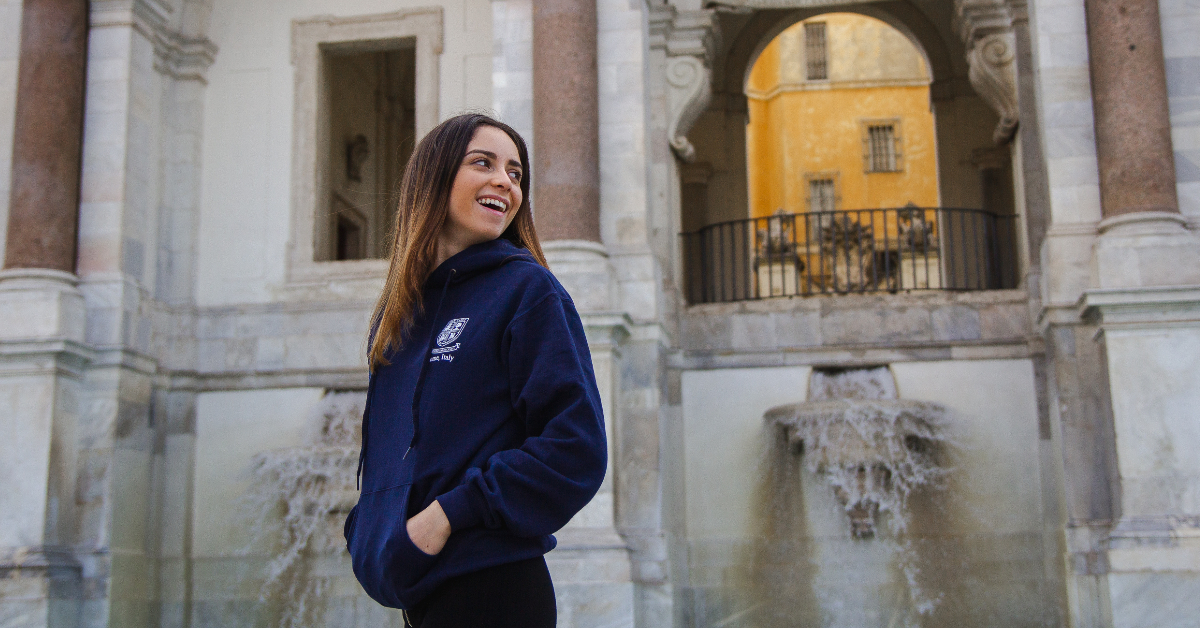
881, 147
815, 51
822, 195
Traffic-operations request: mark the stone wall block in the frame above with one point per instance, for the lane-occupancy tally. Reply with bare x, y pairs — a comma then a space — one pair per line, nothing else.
239, 354
214, 325
956, 322
270, 353
801, 328
640, 298
40, 304
840, 326
703, 332
1141, 249
252, 324
211, 356
752, 331
870, 325
1004, 321
325, 351
584, 269
639, 367
911, 324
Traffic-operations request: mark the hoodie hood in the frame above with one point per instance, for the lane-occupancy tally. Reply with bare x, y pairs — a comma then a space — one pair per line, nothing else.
476, 259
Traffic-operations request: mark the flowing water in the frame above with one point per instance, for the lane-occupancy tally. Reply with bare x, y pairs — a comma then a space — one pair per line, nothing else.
299, 497
870, 451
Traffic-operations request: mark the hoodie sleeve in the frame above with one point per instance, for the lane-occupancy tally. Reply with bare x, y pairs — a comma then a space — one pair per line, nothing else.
535, 489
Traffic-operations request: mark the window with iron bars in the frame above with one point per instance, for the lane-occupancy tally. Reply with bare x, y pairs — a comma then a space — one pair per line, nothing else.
815, 55
822, 193
881, 146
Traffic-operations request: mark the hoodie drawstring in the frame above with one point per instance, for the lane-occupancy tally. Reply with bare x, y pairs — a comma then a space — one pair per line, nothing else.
362, 454
433, 331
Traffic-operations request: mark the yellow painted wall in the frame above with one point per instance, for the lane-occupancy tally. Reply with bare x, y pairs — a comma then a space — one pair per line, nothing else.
799, 126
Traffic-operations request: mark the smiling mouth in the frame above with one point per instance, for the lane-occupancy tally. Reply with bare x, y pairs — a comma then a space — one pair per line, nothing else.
493, 204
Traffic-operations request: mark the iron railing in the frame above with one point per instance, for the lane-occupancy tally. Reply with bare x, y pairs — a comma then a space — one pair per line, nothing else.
855, 251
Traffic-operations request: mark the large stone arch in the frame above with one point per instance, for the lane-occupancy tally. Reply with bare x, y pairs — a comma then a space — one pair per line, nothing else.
902, 16
972, 95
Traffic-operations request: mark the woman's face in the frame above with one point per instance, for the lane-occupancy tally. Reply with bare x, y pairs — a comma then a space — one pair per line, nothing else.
486, 192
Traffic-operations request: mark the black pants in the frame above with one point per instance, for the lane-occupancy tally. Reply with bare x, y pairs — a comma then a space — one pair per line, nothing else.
517, 594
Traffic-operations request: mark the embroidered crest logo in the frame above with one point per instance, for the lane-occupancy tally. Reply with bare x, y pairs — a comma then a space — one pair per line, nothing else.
452, 331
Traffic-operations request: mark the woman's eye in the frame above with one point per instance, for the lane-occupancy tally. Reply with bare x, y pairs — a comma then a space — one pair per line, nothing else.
515, 174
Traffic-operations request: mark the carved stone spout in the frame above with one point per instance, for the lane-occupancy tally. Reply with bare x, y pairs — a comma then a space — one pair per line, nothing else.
871, 449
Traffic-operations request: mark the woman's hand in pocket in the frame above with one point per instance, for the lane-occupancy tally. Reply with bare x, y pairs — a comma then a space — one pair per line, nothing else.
429, 529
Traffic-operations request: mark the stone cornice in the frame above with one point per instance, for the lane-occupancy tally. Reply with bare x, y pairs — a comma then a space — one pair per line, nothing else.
976, 19
692, 33
1141, 308
42, 357
606, 329
38, 558
183, 58
177, 56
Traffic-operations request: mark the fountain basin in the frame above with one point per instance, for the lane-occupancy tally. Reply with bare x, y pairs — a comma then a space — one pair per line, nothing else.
872, 448
856, 431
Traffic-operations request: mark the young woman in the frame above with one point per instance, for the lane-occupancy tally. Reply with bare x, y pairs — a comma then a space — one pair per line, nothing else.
483, 432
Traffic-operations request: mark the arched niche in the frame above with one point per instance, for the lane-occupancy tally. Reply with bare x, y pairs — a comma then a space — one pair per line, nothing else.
973, 170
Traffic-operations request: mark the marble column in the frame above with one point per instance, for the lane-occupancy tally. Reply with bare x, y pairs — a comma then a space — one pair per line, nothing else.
566, 120
591, 565
1144, 240
566, 150
48, 136
1129, 100
1146, 304
42, 354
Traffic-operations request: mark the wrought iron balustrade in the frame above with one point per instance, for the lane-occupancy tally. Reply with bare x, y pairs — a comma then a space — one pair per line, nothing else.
853, 251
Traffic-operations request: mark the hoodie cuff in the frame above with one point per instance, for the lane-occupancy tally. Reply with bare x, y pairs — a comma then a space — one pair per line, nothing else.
457, 506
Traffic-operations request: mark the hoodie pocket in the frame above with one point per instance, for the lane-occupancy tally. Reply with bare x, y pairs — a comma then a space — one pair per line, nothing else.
386, 561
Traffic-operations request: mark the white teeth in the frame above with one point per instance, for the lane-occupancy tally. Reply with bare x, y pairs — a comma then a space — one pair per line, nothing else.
491, 202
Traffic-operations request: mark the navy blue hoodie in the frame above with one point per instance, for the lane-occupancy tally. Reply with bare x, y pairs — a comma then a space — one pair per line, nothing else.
491, 408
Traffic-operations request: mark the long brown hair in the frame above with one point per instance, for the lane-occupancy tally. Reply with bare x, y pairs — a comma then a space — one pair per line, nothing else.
423, 210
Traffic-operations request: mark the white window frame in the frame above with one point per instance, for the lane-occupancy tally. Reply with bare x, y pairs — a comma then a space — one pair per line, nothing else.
897, 145
809, 46
829, 175
311, 37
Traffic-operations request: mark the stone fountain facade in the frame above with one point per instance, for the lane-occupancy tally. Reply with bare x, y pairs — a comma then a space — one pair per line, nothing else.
166, 316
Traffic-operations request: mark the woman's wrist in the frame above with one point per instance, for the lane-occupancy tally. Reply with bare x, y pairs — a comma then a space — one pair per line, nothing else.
429, 529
